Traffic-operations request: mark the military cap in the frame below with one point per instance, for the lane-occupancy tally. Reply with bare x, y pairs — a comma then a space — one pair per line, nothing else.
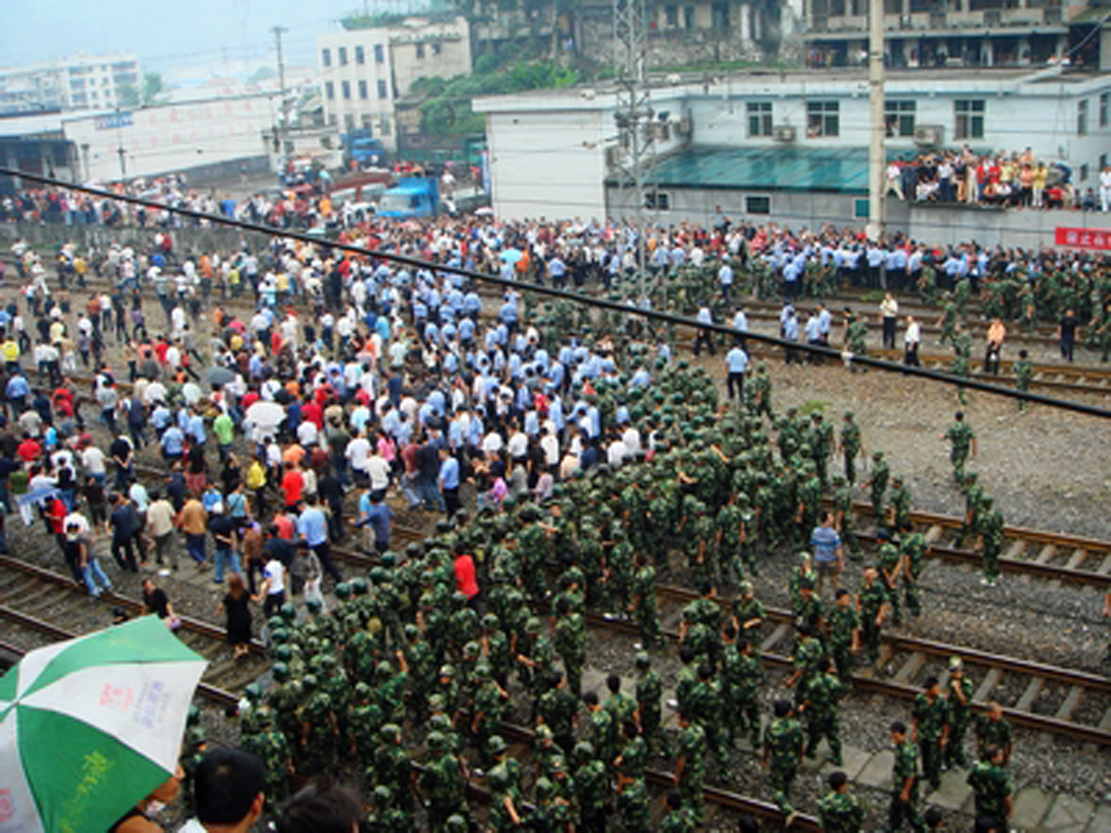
275, 622
359, 586
362, 690
314, 605
643, 660
390, 732
253, 692
446, 671
343, 590
288, 612
280, 671
309, 682
443, 527
437, 741
456, 823
496, 745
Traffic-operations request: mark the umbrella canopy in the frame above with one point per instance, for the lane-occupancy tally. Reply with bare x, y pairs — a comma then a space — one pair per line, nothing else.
219, 376
91, 726
511, 255
265, 415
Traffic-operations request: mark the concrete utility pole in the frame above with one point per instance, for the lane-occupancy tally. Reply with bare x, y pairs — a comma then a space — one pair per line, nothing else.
634, 112
877, 162
282, 117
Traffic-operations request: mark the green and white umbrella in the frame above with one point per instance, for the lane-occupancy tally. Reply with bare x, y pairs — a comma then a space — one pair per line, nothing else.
91, 726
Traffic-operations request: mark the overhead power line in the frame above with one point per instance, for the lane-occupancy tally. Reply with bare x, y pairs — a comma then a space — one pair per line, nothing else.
601, 303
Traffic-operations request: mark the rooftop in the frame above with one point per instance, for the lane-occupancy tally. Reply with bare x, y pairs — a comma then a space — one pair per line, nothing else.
765, 169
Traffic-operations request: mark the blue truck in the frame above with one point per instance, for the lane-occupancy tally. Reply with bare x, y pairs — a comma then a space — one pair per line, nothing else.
363, 149
411, 197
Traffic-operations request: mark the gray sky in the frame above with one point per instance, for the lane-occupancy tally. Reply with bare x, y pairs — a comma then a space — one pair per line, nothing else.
172, 37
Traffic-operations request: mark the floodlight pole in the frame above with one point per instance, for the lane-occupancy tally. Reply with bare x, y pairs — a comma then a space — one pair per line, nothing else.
877, 162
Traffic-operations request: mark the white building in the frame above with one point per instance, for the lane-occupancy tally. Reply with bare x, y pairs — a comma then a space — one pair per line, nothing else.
82, 82
178, 137
782, 146
364, 70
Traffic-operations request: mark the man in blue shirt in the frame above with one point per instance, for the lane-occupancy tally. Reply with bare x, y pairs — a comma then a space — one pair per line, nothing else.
829, 555
736, 361
449, 482
173, 443
313, 527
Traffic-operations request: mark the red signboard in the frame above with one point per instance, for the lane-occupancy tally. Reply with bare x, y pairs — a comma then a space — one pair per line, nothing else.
1084, 238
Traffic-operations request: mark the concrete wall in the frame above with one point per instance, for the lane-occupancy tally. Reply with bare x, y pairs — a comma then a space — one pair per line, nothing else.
548, 164
446, 51
1028, 229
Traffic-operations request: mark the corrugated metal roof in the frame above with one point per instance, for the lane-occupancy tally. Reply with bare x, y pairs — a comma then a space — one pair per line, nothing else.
840, 170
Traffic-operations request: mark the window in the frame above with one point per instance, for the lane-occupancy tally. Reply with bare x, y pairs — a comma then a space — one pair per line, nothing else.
329, 90
657, 200
346, 87
672, 14
898, 118
1103, 109
437, 48
1102, 161
326, 57
861, 209
382, 89
688, 17
384, 126
368, 120
341, 53
758, 205
360, 55
969, 119
379, 54
362, 89
759, 118
349, 122
420, 51
1082, 117
823, 119
333, 119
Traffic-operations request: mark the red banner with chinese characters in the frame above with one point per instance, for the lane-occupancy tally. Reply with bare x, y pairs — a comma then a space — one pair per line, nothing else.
1084, 238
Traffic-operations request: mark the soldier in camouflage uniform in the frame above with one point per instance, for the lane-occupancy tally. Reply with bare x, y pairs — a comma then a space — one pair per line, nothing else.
991, 784
904, 789
741, 676
973, 506
930, 727
569, 638
873, 606
877, 483
393, 768
844, 634
601, 728
319, 731
991, 540
993, 733
890, 563
385, 815
192, 751
819, 711
783, 749
962, 442
899, 508
839, 811
649, 690
633, 802
489, 708
592, 787
558, 708
843, 517
959, 695
443, 782
505, 788
681, 817
948, 322
690, 767
913, 548
851, 445
1024, 374
644, 604
748, 615
961, 365
706, 710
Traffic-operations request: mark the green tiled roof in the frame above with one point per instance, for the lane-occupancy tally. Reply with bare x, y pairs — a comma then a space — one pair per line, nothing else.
838, 170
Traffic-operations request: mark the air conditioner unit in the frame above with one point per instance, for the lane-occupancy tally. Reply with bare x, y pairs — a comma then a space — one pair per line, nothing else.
928, 135
613, 156
783, 133
684, 127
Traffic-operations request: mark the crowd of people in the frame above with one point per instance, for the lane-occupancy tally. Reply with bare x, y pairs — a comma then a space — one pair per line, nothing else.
1007, 180
594, 456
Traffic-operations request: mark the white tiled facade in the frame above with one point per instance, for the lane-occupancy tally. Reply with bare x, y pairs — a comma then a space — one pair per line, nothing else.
78, 83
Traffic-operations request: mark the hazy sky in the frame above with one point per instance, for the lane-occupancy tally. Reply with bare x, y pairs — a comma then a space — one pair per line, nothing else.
172, 37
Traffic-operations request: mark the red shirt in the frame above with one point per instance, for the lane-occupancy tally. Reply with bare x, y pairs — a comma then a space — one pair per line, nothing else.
57, 515
465, 581
284, 523
293, 483
28, 450
312, 412
160, 348
250, 398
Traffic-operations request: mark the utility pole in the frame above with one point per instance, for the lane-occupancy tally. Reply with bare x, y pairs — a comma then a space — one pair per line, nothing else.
282, 116
877, 161
119, 144
634, 112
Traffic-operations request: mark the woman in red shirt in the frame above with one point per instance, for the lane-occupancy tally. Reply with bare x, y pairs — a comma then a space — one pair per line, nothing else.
466, 581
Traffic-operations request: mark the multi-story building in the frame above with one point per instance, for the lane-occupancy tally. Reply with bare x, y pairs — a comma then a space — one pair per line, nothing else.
957, 33
365, 69
83, 82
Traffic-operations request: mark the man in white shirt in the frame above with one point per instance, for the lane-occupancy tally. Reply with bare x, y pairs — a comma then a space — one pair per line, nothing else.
910, 342
357, 454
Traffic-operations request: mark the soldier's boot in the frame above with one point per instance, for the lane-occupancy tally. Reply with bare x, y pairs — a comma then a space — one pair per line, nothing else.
835, 748
914, 600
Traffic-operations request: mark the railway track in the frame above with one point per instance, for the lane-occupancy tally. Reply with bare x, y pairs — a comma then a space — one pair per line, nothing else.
36, 600
1038, 696
1030, 553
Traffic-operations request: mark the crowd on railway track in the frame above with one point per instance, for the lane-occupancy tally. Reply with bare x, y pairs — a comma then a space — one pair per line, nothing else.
600, 463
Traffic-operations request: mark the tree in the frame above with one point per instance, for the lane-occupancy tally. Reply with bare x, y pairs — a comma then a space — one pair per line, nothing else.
128, 95
152, 88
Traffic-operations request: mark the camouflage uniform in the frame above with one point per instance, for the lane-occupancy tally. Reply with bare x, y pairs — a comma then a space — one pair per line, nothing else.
931, 719
840, 812
783, 742
899, 811
820, 714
